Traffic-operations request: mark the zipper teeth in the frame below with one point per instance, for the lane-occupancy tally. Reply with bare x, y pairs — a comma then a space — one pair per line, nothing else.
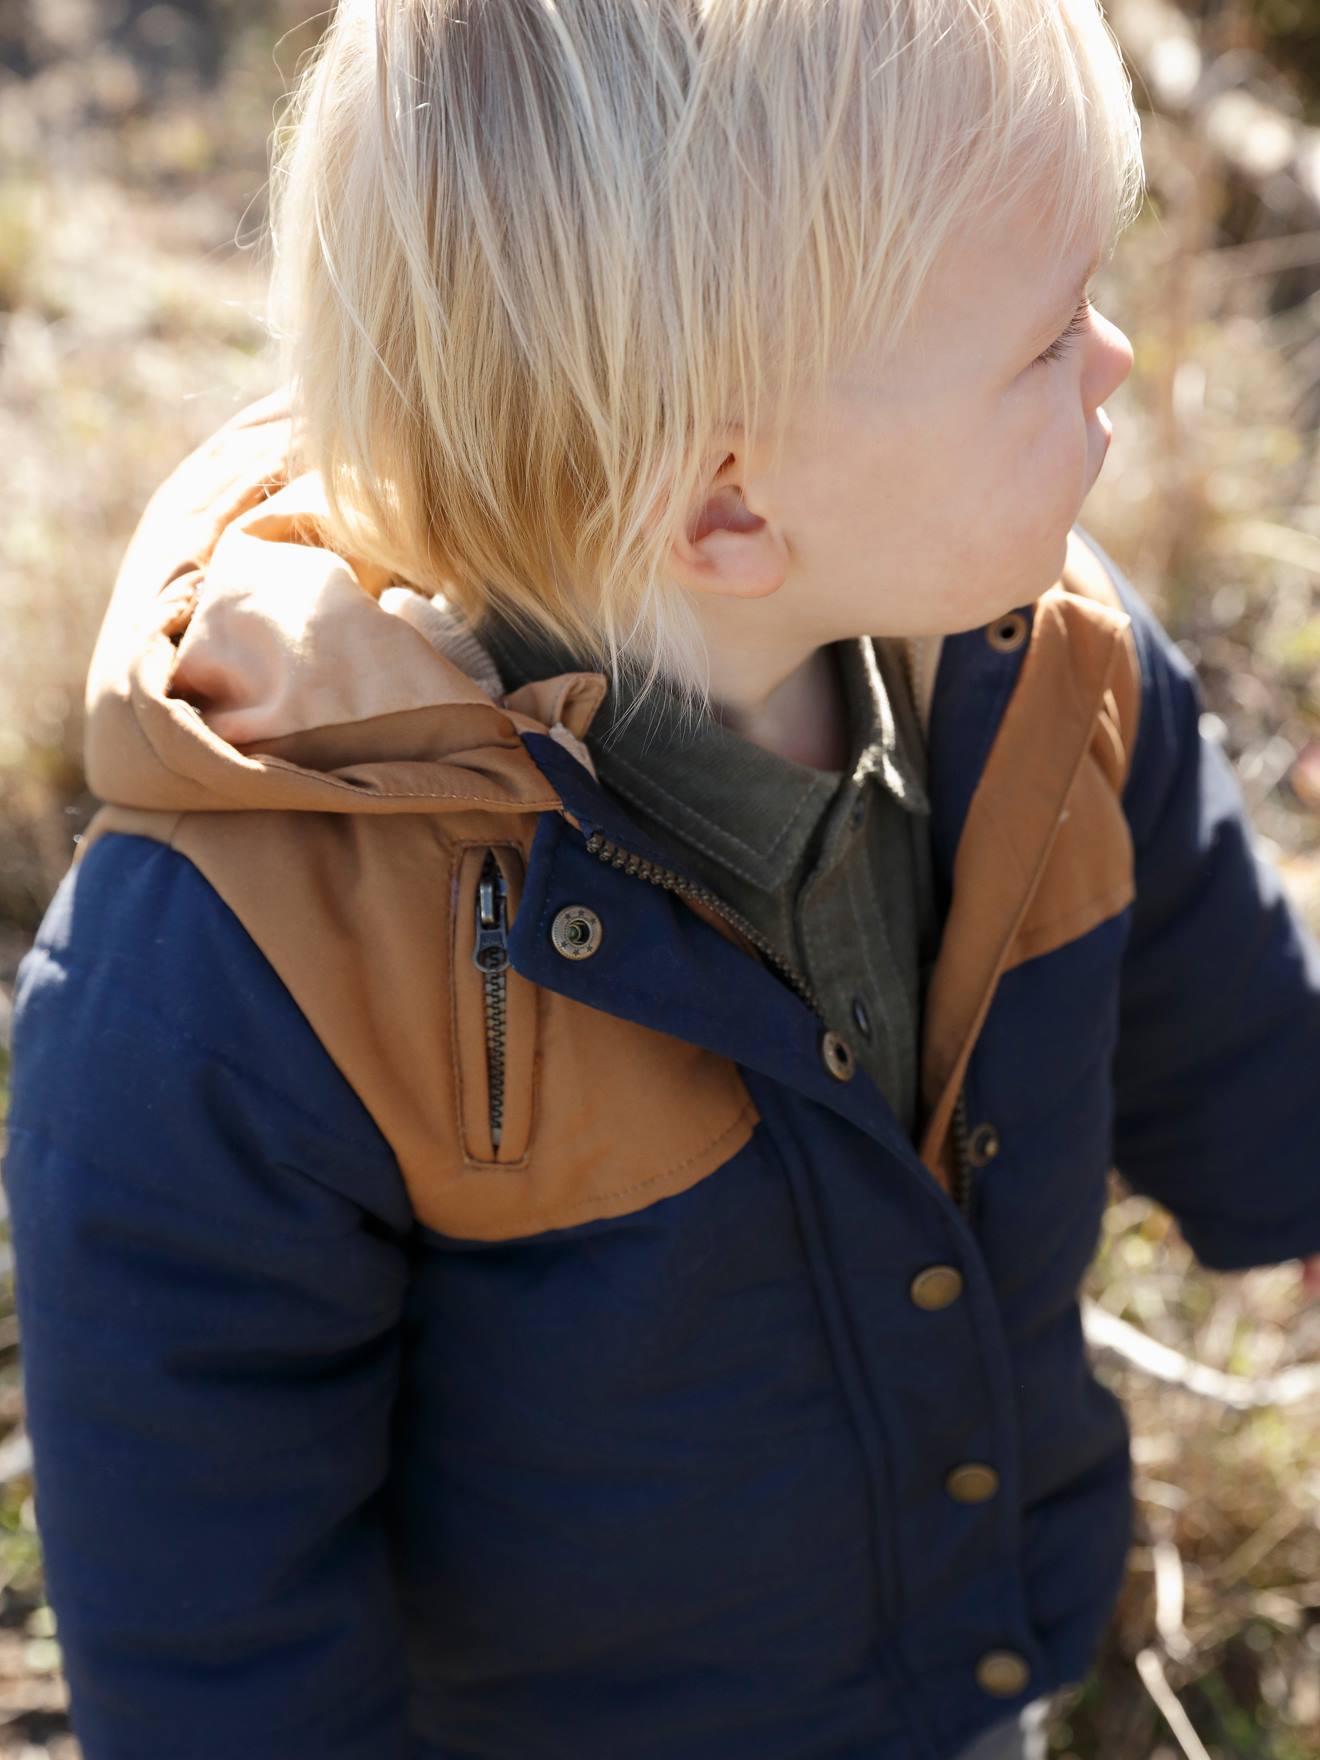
493, 933
962, 1177
618, 857
495, 1034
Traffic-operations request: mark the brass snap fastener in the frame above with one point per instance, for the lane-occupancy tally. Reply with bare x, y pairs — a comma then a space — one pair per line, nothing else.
972, 1482
837, 1055
576, 931
1002, 1672
936, 1286
1007, 633
983, 1145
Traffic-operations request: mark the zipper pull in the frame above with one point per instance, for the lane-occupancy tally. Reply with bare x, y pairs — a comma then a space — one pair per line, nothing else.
491, 952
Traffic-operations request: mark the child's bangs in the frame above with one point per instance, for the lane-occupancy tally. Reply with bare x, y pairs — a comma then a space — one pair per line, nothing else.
972, 108
1069, 135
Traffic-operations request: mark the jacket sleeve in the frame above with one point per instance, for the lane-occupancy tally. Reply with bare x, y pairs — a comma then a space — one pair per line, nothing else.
209, 1272
1217, 1070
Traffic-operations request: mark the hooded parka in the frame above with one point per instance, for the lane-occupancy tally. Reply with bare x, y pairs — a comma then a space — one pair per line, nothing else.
475, 1308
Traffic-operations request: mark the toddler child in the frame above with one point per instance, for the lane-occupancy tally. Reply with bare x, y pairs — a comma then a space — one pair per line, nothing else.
648, 870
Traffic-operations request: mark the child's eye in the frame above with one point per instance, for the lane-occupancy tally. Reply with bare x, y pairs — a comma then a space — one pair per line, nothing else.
1060, 344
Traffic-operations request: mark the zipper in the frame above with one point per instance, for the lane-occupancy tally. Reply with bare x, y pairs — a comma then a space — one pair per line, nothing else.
962, 1161
618, 857
606, 850
490, 955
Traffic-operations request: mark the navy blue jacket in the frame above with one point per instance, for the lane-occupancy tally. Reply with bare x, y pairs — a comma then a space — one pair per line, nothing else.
319, 1478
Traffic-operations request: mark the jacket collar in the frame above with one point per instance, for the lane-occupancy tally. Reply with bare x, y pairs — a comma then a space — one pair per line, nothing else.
707, 785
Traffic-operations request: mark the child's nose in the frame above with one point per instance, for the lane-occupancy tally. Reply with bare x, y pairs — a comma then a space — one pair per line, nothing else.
1113, 357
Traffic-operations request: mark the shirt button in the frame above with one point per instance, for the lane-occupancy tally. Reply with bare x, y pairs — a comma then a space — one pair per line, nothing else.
972, 1482
858, 812
1002, 1672
1007, 633
983, 1145
862, 1015
837, 1055
936, 1286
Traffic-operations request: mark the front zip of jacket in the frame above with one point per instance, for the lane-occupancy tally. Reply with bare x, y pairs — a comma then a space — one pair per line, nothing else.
962, 1160
606, 850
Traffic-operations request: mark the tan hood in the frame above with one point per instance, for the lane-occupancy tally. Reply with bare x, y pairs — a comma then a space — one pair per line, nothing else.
242, 663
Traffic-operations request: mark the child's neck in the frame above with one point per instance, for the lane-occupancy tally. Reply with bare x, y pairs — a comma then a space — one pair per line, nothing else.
804, 717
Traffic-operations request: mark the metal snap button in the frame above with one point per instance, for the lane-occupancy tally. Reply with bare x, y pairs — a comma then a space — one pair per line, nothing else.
936, 1286
972, 1482
576, 931
983, 1145
1002, 1672
862, 1015
1007, 633
837, 1055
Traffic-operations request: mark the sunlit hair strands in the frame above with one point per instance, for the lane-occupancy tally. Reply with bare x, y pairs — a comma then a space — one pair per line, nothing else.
527, 256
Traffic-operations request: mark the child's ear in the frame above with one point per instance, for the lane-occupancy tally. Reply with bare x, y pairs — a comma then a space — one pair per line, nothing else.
726, 546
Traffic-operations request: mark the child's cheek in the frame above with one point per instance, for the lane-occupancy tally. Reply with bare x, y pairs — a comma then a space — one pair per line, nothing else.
1051, 458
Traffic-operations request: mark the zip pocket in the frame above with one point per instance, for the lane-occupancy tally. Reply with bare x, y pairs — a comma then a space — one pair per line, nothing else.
490, 956
494, 1008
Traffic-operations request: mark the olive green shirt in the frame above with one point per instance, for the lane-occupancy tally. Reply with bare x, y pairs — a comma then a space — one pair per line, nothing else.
831, 866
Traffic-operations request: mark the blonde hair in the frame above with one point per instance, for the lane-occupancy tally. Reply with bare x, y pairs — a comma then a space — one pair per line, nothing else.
527, 256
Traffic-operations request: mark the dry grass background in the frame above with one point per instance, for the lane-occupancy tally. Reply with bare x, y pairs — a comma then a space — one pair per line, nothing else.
133, 139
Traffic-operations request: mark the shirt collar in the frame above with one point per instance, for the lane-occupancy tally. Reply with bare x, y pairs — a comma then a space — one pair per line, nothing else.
750, 809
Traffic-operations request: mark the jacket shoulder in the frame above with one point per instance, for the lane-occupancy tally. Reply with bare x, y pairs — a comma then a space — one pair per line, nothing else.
141, 971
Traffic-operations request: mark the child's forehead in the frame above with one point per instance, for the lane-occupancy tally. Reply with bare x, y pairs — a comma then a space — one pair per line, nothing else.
1015, 251
1041, 218
1002, 287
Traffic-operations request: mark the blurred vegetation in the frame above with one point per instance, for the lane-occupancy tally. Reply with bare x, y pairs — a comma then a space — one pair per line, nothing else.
1286, 33
134, 140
